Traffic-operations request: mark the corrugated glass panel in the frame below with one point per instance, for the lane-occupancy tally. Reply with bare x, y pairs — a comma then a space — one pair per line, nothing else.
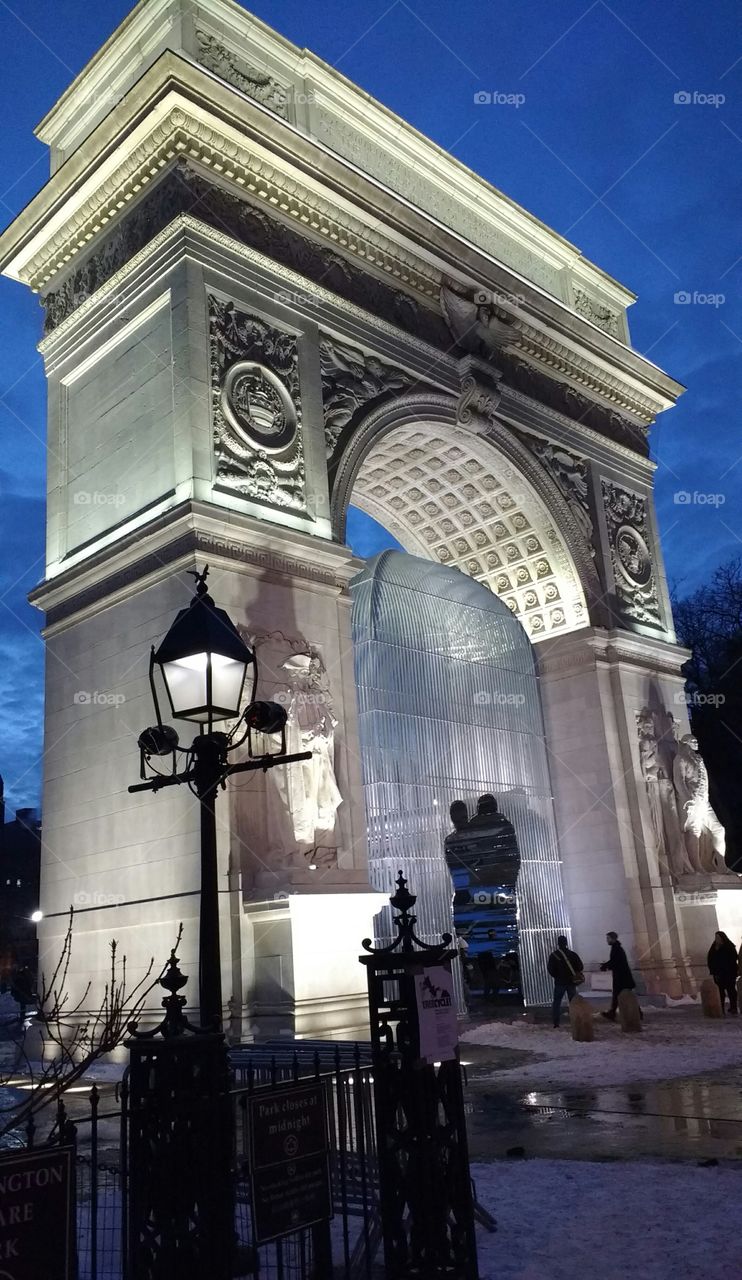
450, 708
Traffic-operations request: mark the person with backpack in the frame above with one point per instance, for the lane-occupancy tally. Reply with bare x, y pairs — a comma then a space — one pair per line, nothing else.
565, 967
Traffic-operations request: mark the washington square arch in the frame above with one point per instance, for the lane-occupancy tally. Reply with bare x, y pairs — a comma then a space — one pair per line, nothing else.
267, 299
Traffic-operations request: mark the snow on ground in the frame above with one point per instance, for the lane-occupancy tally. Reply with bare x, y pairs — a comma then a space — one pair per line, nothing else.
564, 1219
673, 1044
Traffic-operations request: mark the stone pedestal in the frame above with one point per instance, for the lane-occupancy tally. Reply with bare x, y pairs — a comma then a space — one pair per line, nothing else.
302, 972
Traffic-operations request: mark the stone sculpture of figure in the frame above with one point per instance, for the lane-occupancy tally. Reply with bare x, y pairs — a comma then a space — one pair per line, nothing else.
663, 808
307, 792
700, 824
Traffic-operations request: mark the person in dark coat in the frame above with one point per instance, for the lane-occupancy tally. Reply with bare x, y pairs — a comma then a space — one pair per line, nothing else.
564, 966
623, 978
722, 963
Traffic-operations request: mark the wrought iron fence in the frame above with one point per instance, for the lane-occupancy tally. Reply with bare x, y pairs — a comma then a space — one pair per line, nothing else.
100, 1133
345, 1072
95, 1134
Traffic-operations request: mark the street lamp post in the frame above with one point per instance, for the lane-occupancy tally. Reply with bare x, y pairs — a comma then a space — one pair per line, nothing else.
203, 661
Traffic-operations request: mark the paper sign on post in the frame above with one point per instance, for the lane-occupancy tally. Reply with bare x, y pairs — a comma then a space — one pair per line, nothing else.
436, 1014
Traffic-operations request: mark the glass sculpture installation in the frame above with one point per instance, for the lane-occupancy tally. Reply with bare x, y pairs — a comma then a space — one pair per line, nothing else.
450, 709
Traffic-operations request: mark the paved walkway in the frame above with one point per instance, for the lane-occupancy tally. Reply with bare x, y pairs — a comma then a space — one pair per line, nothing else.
696, 1117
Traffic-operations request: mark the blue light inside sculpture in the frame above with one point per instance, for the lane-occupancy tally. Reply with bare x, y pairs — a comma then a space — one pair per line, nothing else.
450, 708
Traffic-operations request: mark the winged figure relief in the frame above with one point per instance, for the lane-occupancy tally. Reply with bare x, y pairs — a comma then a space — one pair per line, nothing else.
477, 324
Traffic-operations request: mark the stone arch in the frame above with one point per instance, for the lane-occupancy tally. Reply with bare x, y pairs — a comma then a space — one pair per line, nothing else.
477, 501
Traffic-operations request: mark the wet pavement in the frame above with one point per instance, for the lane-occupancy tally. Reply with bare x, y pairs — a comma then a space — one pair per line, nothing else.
699, 1118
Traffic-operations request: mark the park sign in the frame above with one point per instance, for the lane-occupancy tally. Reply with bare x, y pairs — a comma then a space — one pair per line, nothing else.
290, 1171
37, 1214
437, 1019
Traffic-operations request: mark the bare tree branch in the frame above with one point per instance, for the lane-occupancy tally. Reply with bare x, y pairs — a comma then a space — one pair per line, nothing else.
75, 1041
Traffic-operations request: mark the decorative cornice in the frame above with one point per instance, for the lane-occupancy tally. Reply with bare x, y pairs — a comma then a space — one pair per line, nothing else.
540, 385
183, 189
487, 329
548, 352
192, 529
183, 130
74, 302
514, 399
310, 291
581, 650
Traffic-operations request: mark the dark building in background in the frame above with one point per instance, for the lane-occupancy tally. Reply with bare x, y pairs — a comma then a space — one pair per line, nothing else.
20, 860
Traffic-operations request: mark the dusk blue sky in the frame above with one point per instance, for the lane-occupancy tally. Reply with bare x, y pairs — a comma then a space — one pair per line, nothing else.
647, 187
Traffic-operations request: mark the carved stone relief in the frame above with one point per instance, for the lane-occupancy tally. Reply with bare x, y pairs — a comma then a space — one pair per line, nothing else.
185, 191
477, 324
242, 75
302, 801
256, 407
636, 587
480, 395
352, 380
570, 473
601, 315
485, 330
689, 838
529, 379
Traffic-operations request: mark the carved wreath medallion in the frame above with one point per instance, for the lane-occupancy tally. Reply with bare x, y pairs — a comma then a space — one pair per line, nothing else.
636, 588
256, 404
633, 557
256, 407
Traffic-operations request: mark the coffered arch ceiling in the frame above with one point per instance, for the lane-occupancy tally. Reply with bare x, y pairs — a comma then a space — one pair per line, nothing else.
453, 497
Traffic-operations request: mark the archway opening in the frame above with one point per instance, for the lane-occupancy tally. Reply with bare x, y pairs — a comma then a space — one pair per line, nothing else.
489, 572
449, 495
449, 710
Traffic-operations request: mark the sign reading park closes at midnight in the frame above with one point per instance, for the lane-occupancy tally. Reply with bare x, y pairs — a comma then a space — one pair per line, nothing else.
290, 1168
37, 1214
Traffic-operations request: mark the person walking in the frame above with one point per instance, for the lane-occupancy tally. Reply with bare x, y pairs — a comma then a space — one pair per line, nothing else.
722, 963
623, 978
565, 967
